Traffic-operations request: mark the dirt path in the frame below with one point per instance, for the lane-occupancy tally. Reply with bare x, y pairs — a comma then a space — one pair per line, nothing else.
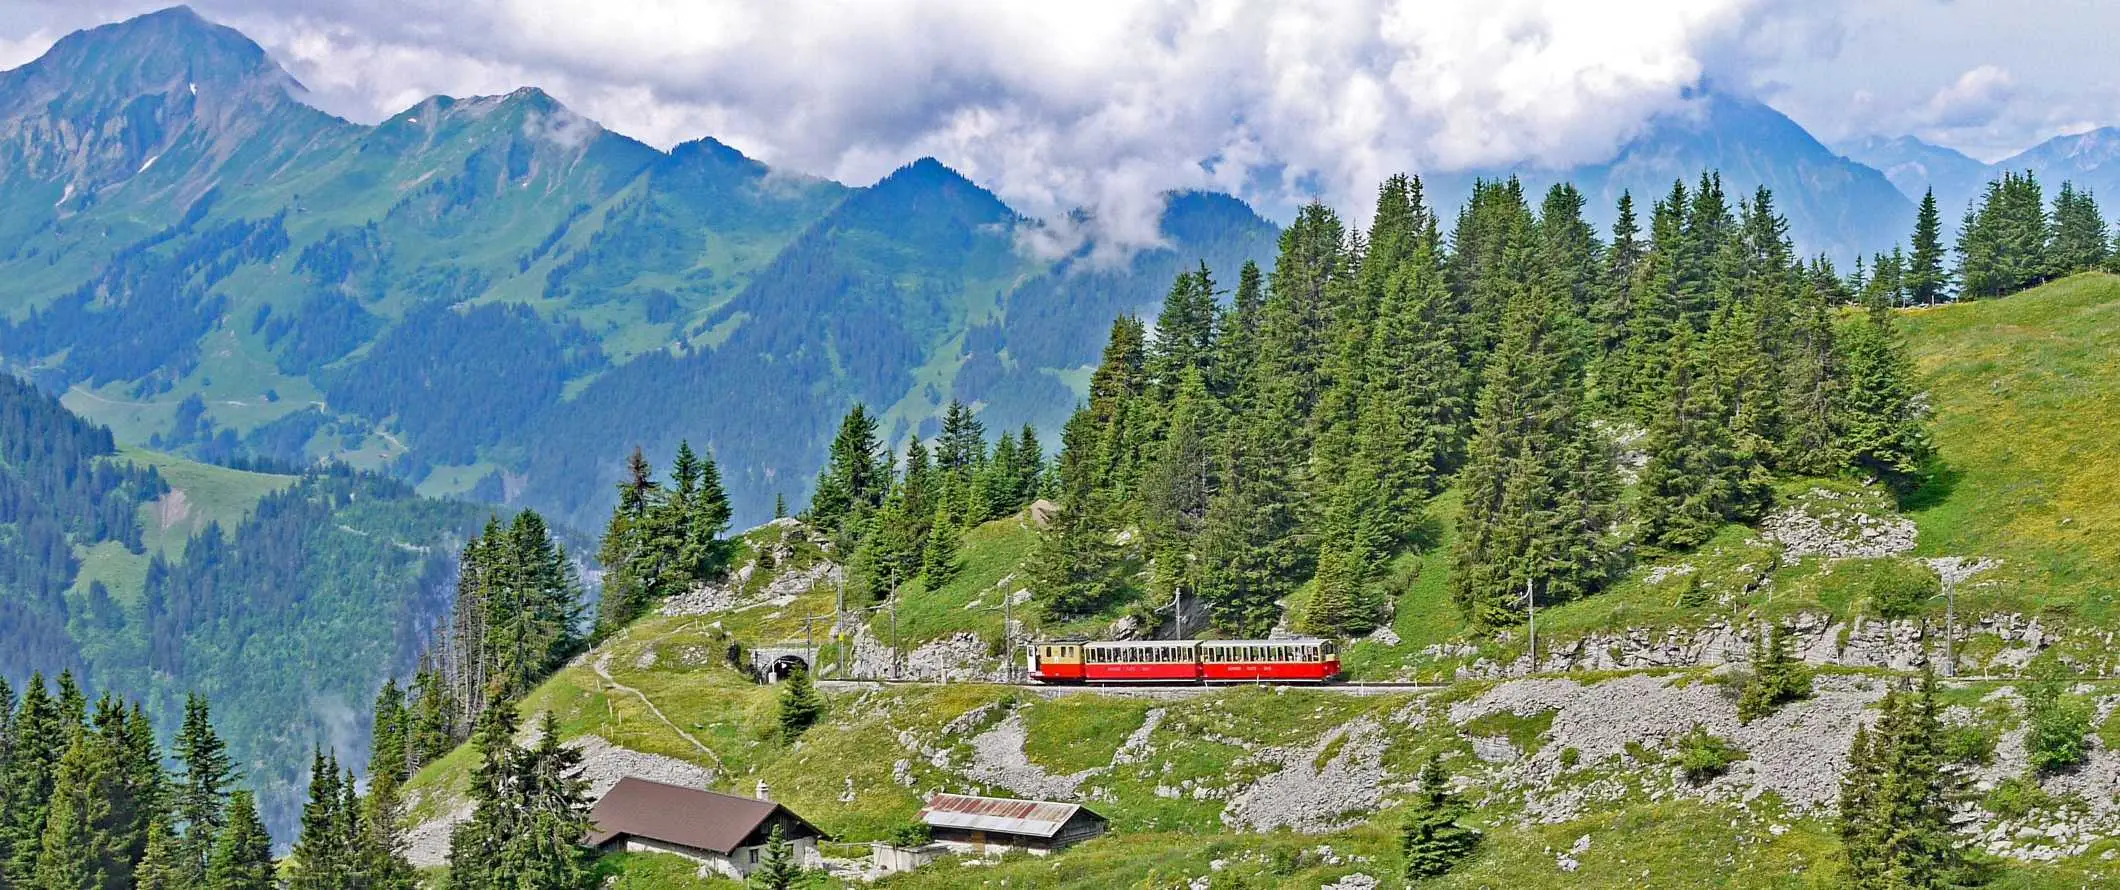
602, 666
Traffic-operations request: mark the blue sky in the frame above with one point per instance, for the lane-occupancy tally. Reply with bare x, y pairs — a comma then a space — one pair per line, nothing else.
1104, 104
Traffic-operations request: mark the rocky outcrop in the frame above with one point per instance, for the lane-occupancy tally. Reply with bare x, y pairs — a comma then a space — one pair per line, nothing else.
1863, 642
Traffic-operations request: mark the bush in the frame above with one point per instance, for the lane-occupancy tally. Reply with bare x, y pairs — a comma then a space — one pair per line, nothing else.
1972, 744
911, 834
1570, 757
1899, 589
2060, 723
2017, 797
1776, 679
1702, 757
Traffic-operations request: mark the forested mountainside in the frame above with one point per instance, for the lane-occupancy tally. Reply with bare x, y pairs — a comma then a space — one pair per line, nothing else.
206, 263
1726, 484
286, 597
203, 262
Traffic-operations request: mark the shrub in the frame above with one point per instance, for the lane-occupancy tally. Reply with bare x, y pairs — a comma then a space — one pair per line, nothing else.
2017, 797
1702, 756
911, 834
1777, 677
1972, 744
2059, 722
1570, 757
1899, 589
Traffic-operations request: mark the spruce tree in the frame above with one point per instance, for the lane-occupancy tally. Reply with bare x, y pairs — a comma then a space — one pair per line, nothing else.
1537, 487
1881, 418
1432, 839
322, 851
1071, 566
160, 868
1810, 386
1696, 478
477, 846
1925, 276
800, 707
390, 741
87, 839
242, 852
1777, 677
200, 792
2058, 723
552, 807
38, 739
855, 477
1897, 797
778, 870
2079, 238
938, 558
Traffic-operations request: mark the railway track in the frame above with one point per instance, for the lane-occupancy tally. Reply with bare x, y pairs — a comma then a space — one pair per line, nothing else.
1140, 690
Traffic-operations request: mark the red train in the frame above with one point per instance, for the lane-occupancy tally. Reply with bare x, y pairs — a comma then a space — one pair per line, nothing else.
1185, 661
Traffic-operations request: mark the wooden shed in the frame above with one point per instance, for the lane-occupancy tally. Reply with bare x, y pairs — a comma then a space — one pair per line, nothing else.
999, 824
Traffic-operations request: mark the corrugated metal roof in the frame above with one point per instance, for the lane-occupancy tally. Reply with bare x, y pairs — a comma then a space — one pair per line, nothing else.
1030, 818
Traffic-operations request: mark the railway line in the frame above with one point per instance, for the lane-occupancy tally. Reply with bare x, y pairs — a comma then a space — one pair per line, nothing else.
1138, 690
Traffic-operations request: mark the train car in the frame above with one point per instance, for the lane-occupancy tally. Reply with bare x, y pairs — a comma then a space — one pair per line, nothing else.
1269, 661
1054, 662
1184, 661
1146, 661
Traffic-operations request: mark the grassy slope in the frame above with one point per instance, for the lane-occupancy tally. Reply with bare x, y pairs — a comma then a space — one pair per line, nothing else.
2027, 394
206, 493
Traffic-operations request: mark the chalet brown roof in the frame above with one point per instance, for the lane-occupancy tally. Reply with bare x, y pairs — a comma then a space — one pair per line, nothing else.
689, 817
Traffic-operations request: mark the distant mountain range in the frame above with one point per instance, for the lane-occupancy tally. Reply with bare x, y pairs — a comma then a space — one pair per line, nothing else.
2086, 159
496, 297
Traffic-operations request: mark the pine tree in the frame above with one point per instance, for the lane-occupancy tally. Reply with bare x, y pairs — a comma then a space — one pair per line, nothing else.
2058, 723
1071, 566
478, 844
322, 852
242, 852
200, 796
1777, 677
1537, 488
1882, 420
938, 557
160, 868
800, 707
855, 477
780, 505
1926, 281
1432, 839
778, 870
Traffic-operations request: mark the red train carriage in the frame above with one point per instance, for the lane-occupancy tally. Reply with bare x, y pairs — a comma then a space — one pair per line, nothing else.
1274, 661
1185, 661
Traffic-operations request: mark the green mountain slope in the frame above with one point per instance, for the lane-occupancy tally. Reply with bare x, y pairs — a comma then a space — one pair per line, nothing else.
209, 265
285, 598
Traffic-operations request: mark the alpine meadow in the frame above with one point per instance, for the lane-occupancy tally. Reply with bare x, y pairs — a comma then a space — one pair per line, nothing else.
1059, 449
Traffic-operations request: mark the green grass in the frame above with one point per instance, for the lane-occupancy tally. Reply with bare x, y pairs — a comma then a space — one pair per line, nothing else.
199, 494
1525, 732
2027, 426
990, 555
655, 871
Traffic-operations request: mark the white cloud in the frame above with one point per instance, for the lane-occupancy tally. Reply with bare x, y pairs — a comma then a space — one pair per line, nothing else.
1063, 105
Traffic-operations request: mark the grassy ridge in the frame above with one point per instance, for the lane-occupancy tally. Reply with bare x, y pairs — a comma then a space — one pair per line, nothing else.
2026, 391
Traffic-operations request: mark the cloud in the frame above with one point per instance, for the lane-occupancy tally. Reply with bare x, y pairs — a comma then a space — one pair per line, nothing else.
1056, 106
1976, 98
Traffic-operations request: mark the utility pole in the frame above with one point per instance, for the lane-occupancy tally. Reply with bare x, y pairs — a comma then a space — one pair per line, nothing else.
1008, 639
1950, 623
1531, 606
894, 622
839, 629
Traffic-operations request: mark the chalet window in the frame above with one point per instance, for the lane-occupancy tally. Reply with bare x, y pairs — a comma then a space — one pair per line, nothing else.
754, 855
